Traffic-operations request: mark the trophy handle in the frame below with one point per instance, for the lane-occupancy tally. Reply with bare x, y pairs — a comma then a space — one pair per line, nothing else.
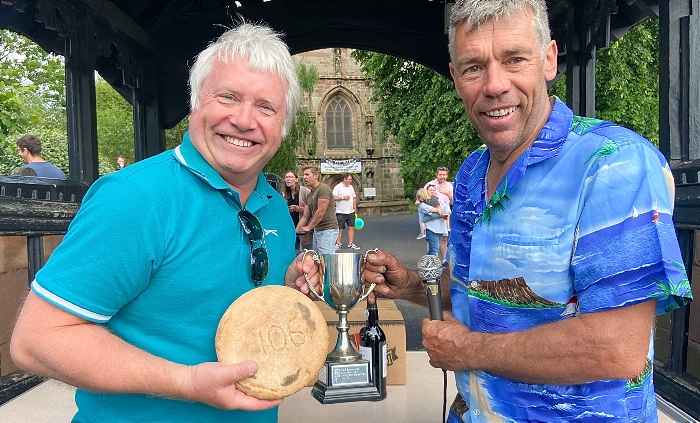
371, 287
317, 259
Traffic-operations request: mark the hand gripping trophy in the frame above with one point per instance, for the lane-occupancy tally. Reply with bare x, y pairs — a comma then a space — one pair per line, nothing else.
345, 376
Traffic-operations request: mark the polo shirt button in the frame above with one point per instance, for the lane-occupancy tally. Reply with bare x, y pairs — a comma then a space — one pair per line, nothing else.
476, 412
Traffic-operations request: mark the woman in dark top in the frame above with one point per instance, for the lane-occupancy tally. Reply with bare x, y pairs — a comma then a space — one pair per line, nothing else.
295, 202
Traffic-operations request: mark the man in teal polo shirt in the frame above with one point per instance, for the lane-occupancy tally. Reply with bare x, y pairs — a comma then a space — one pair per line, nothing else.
131, 320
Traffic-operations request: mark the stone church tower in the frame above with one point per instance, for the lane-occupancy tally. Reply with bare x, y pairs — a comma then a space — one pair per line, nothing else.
348, 131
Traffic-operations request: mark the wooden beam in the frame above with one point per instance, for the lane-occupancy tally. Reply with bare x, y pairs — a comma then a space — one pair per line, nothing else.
120, 23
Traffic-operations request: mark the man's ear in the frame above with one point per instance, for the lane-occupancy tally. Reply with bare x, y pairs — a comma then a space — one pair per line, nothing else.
550, 60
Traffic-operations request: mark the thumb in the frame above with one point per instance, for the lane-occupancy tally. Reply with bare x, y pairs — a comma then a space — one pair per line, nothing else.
242, 370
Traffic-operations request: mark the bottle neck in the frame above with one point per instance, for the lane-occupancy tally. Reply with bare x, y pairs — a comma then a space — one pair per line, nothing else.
372, 315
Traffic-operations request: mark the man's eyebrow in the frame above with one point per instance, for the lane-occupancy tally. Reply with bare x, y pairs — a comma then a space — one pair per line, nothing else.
514, 51
520, 50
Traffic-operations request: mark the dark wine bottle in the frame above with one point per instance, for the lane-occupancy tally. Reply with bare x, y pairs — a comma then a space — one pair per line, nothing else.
373, 348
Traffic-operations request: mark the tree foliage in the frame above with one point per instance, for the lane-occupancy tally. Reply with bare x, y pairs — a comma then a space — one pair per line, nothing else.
32, 86
303, 132
418, 108
421, 112
115, 125
627, 81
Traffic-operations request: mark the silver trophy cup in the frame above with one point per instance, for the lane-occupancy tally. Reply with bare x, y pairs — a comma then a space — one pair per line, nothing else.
345, 376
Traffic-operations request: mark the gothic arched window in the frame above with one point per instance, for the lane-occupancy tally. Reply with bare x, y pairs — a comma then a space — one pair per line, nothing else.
338, 126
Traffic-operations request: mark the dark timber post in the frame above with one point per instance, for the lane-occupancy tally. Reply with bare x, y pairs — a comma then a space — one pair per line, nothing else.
81, 103
149, 137
580, 61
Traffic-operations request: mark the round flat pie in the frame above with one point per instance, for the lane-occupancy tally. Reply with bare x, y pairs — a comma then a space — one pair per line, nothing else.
283, 331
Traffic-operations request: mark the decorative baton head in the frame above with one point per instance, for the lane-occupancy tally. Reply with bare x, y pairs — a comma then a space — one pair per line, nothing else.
429, 267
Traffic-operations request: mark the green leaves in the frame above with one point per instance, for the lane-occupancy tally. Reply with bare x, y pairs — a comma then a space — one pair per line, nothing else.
420, 112
32, 83
303, 132
627, 81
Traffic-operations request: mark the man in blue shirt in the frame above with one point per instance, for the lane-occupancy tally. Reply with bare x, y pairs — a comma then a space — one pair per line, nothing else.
29, 149
131, 320
562, 248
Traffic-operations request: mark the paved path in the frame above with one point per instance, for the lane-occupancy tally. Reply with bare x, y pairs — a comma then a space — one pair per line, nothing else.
396, 234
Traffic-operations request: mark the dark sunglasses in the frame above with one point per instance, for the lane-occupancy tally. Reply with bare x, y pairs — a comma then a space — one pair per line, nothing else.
442, 168
258, 253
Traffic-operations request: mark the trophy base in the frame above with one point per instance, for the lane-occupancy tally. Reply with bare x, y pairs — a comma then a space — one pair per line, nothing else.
345, 382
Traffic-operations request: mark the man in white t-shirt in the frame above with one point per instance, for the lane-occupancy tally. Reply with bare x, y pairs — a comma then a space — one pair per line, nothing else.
345, 206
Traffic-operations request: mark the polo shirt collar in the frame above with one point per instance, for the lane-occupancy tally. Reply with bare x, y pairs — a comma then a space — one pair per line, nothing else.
187, 155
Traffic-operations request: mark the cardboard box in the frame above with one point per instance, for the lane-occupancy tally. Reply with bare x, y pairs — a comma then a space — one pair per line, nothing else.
390, 320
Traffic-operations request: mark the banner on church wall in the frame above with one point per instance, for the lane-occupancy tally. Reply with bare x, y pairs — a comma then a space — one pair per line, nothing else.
341, 166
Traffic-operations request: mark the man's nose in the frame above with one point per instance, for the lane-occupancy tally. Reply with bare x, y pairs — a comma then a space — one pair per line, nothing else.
243, 116
496, 81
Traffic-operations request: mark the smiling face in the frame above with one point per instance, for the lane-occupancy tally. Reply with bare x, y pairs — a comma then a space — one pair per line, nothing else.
238, 125
501, 77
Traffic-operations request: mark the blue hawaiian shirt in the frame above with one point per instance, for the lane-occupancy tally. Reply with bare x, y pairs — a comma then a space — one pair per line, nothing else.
580, 223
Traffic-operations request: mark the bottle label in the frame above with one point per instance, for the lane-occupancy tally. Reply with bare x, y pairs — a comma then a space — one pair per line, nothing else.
384, 364
367, 354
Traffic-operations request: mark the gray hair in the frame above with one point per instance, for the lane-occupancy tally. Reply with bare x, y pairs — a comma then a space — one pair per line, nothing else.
476, 12
264, 50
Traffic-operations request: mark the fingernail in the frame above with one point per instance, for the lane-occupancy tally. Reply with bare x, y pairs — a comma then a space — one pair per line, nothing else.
251, 368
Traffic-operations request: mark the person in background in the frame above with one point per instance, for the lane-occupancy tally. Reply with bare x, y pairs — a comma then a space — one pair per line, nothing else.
294, 193
345, 208
562, 248
131, 320
432, 213
29, 149
121, 162
319, 216
444, 190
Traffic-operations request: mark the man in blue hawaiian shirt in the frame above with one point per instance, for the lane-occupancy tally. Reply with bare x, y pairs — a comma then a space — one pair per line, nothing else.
562, 245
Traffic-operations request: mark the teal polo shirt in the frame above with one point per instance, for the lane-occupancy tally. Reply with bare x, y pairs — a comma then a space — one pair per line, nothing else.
157, 253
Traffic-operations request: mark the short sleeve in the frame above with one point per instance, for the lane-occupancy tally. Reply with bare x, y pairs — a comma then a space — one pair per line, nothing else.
108, 254
626, 250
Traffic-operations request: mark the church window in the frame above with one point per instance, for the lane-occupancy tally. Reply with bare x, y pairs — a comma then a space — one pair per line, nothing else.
338, 124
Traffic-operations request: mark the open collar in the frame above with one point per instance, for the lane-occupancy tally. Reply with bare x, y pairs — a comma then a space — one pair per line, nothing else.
188, 156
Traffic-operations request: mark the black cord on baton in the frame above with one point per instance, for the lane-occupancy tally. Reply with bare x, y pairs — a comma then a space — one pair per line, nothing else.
444, 395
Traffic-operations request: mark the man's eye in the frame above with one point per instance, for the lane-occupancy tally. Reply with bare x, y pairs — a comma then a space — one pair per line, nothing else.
266, 109
227, 98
